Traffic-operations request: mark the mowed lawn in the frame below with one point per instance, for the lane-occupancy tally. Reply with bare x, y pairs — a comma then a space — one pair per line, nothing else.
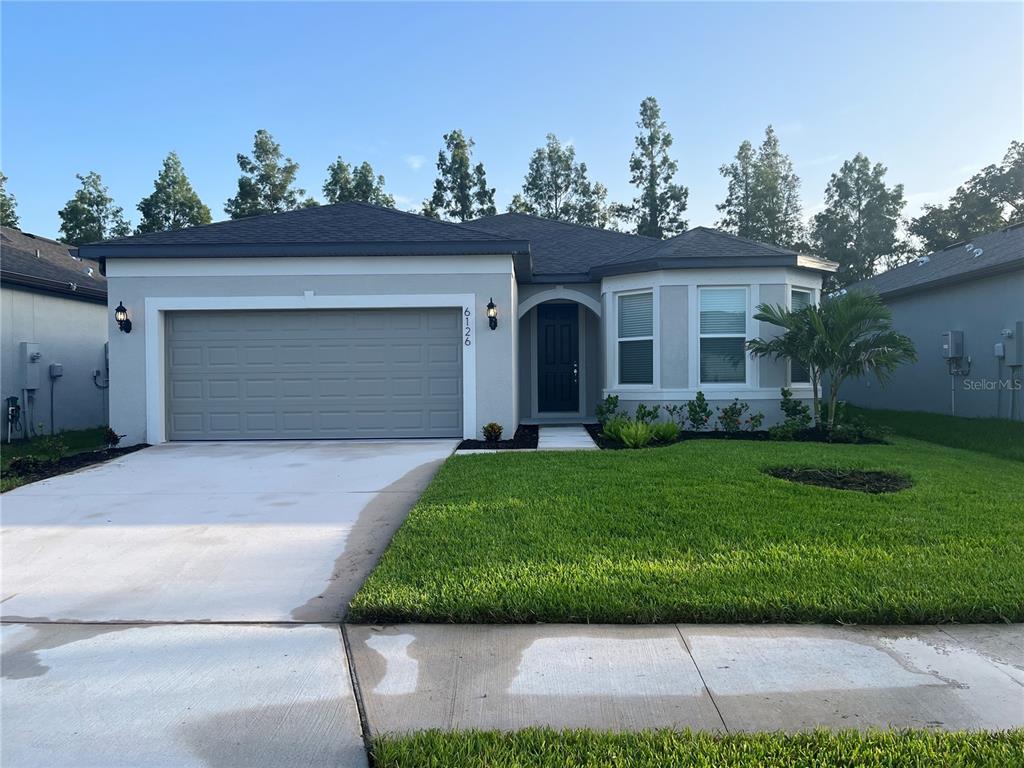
696, 532
541, 748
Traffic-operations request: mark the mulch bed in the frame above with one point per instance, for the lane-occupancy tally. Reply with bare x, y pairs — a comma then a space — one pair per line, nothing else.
843, 479
525, 437
812, 435
29, 469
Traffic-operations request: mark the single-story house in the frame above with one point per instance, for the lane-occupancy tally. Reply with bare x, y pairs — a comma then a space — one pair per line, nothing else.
353, 320
964, 309
54, 329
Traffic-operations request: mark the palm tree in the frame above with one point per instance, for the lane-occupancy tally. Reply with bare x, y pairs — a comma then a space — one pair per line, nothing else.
848, 336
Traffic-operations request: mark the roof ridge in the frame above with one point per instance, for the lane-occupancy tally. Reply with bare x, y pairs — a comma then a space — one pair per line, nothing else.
23, 233
459, 224
547, 220
961, 243
723, 233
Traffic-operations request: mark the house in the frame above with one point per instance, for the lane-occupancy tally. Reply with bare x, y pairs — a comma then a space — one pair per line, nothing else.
353, 320
54, 329
964, 309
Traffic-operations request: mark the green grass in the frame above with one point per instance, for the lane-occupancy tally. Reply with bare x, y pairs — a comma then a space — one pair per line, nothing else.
999, 437
77, 441
695, 532
541, 748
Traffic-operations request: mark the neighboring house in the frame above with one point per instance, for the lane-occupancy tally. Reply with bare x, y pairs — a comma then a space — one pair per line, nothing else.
974, 290
352, 320
54, 321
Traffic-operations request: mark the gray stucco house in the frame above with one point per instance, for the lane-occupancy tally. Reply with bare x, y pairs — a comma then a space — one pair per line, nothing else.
353, 320
54, 309
974, 291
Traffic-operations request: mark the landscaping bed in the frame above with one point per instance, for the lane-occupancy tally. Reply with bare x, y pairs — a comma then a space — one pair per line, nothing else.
843, 479
697, 532
525, 437
29, 469
540, 748
812, 435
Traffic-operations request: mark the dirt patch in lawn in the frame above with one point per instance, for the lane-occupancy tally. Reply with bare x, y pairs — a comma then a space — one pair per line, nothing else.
843, 479
525, 437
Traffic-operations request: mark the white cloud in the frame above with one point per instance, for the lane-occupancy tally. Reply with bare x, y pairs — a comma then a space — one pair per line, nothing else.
415, 161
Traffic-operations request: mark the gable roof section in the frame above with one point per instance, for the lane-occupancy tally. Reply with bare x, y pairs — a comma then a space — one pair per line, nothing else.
345, 229
560, 249
1000, 251
41, 264
703, 247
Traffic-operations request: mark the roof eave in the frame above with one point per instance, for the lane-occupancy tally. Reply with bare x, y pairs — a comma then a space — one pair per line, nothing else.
56, 287
98, 251
716, 262
942, 282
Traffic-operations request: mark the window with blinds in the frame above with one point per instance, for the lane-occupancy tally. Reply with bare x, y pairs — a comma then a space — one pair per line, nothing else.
636, 338
723, 335
798, 373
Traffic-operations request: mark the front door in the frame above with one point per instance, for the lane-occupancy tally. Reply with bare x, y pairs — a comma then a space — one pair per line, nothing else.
558, 358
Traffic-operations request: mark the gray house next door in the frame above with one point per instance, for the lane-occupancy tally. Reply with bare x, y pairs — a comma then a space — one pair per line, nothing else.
365, 373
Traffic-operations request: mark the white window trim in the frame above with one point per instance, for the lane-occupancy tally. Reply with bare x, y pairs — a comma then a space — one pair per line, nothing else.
750, 372
156, 307
653, 338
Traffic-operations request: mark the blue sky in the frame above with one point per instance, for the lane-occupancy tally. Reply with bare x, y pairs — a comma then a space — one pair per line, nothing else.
934, 91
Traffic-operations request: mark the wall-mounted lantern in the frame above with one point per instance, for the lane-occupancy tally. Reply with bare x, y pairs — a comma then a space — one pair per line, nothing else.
492, 315
121, 316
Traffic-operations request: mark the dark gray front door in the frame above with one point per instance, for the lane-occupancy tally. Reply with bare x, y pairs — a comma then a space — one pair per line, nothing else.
331, 373
558, 358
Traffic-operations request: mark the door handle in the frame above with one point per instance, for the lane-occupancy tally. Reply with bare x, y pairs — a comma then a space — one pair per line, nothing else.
575, 372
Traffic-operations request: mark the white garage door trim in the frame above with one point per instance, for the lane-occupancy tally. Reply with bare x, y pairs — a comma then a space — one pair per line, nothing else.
156, 427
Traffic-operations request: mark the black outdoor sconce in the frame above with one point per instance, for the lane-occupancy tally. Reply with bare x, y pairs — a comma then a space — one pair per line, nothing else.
121, 315
492, 315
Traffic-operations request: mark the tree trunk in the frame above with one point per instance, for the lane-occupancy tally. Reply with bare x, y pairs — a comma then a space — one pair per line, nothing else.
816, 396
833, 397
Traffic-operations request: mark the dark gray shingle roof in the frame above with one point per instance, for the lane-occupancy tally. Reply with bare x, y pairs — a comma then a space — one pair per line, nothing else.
38, 262
1000, 251
559, 248
344, 229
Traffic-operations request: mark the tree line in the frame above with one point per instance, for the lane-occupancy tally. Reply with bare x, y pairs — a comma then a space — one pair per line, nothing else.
861, 225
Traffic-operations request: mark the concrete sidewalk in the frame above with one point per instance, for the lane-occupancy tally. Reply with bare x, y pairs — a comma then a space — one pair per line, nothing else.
704, 677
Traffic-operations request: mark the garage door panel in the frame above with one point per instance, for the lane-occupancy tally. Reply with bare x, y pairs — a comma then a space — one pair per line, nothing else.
309, 374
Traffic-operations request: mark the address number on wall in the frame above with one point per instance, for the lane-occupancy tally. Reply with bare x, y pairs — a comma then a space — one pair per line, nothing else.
467, 328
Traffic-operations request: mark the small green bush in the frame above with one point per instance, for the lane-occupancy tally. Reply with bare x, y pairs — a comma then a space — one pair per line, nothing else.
613, 429
607, 409
111, 438
636, 434
492, 432
677, 413
699, 412
730, 417
665, 431
53, 447
648, 414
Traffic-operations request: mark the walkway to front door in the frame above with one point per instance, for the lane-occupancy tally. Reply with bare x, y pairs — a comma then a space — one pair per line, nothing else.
558, 358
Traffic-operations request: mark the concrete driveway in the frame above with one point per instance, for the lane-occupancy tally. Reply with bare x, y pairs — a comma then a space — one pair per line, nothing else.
180, 605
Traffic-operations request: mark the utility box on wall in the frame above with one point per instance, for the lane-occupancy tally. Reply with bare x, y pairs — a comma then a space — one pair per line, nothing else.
30, 364
953, 345
1015, 345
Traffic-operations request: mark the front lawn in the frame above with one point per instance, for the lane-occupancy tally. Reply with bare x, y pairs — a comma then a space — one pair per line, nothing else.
999, 437
540, 748
697, 532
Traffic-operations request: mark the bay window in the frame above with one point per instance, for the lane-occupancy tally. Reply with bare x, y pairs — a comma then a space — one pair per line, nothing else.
636, 338
723, 335
798, 373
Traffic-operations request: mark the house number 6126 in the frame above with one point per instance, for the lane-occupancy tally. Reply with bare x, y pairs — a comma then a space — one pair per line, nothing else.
468, 328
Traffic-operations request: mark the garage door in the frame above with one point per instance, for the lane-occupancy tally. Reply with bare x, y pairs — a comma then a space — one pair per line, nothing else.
314, 374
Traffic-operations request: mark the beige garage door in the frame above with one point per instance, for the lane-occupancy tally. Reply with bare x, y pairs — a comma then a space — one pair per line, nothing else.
314, 374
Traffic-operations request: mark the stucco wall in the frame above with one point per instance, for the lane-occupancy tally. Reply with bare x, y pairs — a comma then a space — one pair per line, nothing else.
979, 308
69, 332
677, 364
133, 281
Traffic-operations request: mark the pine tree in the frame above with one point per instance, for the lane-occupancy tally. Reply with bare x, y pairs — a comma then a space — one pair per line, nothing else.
8, 205
557, 187
460, 189
174, 204
659, 207
265, 185
91, 215
343, 185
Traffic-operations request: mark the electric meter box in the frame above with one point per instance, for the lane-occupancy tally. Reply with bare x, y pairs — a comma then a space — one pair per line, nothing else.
56, 370
953, 345
30, 365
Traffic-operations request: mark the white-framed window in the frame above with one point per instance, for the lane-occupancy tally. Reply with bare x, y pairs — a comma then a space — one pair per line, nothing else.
799, 299
636, 338
723, 335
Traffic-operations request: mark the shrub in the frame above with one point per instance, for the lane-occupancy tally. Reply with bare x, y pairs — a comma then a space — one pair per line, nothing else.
53, 447
635, 434
26, 465
754, 421
647, 414
730, 417
607, 409
676, 413
665, 431
492, 432
699, 412
111, 438
613, 429
798, 417
856, 430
